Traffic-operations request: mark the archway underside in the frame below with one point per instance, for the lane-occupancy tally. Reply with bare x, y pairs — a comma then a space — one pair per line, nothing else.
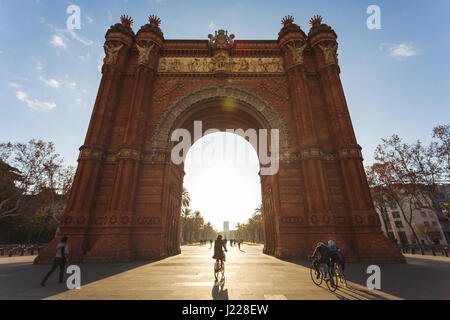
221, 114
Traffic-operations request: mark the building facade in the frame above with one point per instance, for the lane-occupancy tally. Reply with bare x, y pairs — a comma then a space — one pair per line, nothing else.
430, 225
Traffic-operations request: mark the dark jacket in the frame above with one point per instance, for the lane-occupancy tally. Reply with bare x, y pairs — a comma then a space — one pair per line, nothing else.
219, 247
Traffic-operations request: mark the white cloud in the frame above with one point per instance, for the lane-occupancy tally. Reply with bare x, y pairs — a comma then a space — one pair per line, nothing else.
402, 50
86, 56
38, 66
72, 84
109, 13
58, 41
89, 19
58, 38
50, 82
212, 26
82, 40
35, 104
13, 85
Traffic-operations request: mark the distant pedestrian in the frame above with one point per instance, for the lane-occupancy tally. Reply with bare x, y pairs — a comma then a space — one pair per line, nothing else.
210, 243
61, 257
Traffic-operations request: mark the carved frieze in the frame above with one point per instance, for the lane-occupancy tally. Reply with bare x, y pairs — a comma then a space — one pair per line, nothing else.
220, 62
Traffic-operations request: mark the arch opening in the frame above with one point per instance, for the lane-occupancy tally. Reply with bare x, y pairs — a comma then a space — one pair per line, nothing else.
232, 117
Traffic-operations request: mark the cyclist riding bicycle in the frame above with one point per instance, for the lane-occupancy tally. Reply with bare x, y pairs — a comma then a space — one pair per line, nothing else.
219, 247
320, 255
336, 255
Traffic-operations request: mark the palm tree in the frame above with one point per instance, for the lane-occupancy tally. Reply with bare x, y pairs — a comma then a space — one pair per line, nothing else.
259, 209
185, 198
185, 216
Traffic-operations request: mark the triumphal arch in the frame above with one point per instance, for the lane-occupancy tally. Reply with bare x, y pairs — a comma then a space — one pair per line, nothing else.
126, 197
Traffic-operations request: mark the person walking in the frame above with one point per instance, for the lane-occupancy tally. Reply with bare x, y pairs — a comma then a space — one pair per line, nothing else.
61, 257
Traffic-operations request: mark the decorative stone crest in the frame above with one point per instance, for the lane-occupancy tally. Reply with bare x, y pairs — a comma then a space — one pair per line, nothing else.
221, 39
220, 63
111, 52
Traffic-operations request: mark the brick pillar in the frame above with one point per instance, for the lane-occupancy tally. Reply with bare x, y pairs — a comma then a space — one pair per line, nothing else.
74, 223
294, 45
118, 245
366, 237
296, 51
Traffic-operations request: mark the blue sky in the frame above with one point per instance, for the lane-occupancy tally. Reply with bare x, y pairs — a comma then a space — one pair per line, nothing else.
395, 79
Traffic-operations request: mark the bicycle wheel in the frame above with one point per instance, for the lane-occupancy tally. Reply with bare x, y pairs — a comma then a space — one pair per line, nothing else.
341, 275
222, 271
332, 280
316, 276
216, 271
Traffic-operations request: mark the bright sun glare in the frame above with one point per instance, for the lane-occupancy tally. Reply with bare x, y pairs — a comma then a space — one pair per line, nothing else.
222, 178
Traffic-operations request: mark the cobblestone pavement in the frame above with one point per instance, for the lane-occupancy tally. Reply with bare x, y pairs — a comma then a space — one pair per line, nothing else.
249, 275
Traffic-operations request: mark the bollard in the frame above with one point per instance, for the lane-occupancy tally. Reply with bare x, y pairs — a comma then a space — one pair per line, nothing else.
432, 251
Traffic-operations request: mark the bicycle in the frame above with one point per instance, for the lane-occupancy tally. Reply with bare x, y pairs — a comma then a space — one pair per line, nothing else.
219, 269
340, 274
324, 273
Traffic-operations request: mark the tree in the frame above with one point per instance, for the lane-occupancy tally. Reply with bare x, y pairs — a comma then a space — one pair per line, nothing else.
185, 198
253, 229
442, 134
34, 186
31, 160
9, 192
408, 174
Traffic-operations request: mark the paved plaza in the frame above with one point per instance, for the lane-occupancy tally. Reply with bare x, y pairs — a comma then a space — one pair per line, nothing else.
250, 274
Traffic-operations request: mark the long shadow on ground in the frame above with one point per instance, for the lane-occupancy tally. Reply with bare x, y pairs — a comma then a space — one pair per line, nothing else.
419, 279
21, 280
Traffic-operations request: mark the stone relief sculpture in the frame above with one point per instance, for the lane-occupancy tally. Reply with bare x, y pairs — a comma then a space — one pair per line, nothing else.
144, 53
297, 52
330, 53
220, 62
111, 52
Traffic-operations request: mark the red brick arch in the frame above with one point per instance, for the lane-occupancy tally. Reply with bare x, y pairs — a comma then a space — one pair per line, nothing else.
125, 200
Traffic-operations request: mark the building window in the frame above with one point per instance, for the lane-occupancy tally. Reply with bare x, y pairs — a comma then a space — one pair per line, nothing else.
398, 224
395, 214
423, 214
426, 223
434, 223
394, 206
